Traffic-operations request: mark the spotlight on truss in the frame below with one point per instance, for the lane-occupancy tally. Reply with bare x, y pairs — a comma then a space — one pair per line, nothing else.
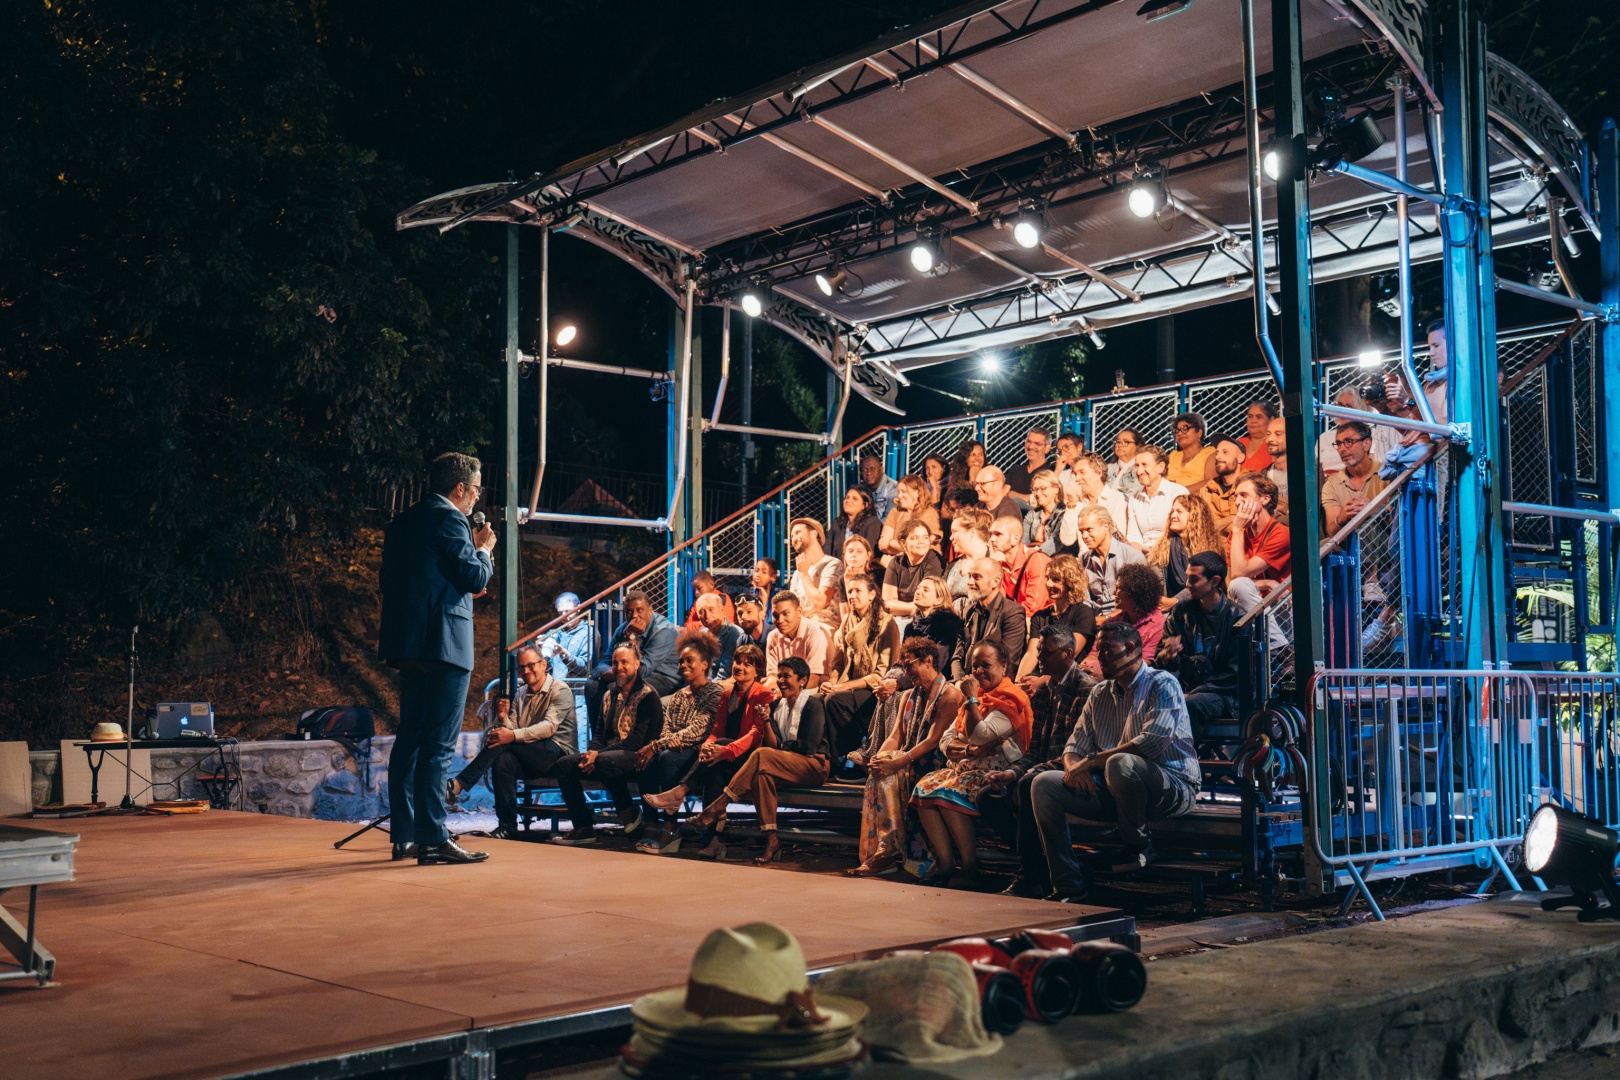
990, 363
924, 255
832, 282
566, 334
1027, 229
752, 305
1145, 198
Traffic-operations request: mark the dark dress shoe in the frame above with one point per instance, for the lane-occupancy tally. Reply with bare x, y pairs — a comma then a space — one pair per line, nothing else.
1023, 887
448, 852
404, 851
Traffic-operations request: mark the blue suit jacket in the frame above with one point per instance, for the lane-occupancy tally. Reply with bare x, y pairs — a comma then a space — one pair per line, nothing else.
430, 571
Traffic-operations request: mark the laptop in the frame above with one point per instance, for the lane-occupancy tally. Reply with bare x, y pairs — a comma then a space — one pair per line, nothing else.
176, 719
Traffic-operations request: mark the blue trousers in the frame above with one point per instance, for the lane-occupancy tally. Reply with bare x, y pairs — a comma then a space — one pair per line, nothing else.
432, 701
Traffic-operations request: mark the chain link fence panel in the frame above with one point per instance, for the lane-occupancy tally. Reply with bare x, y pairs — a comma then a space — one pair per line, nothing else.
811, 497
1583, 370
1004, 434
941, 439
655, 583
733, 549
1224, 404
1152, 413
1529, 470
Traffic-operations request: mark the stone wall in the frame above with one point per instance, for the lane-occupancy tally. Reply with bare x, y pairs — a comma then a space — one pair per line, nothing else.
316, 778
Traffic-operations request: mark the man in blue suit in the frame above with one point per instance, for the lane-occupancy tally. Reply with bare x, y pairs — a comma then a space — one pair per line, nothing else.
433, 564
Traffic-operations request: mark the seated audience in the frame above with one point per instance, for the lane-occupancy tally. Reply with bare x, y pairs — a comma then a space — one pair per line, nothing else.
712, 617
917, 560
688, 718
955, 500
703, 584
1188, 532
1148, 508
1037, 451
654, 639
923, 712
1221, 492
1200, 643
751, 618
1277, 471
793, 752
1102, 555
912, 503
857, 557
880, 484
1256, 454
936, 473
1122, 470
741, 713
1259, 557
970, 541
1090, 488
988, 614
1055, 703
857, 519
1023, 569
569, 648
527, 743
765, 578
1070, 448
990, 733
1192, 463
966, 463
795, 635
1137, 594
996, 496
633, 718
935, 619
1044, 520
1071, 608
1381, 439
1129, 759
1346, 493
863, 649
817, 576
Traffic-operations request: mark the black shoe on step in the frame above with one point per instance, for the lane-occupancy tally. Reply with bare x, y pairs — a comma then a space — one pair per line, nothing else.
448, 852
404, 851
1024, 888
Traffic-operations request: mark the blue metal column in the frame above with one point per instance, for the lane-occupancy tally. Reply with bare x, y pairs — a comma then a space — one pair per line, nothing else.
1479, 594
1608, 180
1296, 340
510, 537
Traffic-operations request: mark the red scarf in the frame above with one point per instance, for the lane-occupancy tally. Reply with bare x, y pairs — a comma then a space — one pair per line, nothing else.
1008, 700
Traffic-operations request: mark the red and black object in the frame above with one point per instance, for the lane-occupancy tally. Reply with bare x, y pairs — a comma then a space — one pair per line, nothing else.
1051, 983
1046, 983
1001, 998
1110, 977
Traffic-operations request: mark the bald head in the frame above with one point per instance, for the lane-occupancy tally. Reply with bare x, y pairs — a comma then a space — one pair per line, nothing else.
984, 578
991, 484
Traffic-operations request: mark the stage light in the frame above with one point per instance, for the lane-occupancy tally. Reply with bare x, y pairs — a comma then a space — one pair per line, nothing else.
990, 363
1144, 198
1027, 229
752, 305
1356, 137
924, 256
833, 282
1565, 848
1271, 162
1370, 358
567, 334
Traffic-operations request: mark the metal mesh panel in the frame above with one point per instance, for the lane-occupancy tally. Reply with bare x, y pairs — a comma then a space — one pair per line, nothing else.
878, 444
1383, 623
941, 439
1004, 434
732, 550
1224, 405
1529, 471
811, 497
655, 583
1583, 369
1153, 413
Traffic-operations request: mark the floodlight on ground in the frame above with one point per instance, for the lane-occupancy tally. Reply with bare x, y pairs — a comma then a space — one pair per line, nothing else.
924, 255
1145, 198
1562, 847
566, 335
830, 282
1028, 228
752, 305
1370, 358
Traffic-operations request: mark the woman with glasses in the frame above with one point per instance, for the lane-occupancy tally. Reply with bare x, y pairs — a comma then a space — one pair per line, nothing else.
924, 712
1192, 464
1122, 470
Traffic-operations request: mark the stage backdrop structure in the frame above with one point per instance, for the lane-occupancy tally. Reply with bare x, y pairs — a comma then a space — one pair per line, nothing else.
1022, 171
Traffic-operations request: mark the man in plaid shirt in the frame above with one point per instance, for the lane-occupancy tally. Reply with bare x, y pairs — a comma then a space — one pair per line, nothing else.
1130, 758
1056, 697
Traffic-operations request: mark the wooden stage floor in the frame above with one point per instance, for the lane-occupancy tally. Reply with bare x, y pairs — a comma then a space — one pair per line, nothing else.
223, 943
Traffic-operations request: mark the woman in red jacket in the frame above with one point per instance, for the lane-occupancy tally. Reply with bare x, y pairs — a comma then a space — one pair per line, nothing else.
742, 711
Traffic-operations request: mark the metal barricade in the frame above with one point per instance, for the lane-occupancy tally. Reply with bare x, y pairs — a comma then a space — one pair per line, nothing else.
1419, 770
942, 439
1580, 741
1224, 403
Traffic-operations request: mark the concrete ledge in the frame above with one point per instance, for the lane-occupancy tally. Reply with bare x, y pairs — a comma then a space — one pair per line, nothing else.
1478, 990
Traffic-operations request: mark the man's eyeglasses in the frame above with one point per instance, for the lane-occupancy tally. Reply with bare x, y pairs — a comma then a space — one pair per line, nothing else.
1342, 443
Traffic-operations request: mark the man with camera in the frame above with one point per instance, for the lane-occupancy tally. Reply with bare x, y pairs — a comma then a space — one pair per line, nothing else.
434, 562
1200, 643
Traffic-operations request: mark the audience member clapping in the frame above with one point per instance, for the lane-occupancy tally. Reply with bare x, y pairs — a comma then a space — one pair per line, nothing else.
1043, 521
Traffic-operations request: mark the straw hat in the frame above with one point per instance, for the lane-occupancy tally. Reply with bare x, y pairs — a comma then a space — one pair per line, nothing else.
814, 526
107, 733
747, 1000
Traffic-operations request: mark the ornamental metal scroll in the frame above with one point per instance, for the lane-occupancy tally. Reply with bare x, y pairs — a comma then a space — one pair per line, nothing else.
1402, 23
1519, 104
814, 330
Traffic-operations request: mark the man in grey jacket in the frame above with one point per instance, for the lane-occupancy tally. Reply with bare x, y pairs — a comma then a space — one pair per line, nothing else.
540, 730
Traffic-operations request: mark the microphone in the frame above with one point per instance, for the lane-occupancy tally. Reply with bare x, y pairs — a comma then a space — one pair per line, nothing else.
478, 520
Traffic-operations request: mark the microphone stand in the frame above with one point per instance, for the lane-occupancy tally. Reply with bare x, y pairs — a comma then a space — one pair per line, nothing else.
129, 726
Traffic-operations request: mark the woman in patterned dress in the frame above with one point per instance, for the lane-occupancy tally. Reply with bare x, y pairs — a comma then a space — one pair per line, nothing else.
925, 710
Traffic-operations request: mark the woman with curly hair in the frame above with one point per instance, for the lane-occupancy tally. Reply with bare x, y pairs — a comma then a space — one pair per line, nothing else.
1069, 587
688, 718
1189, 529
858, 519
912, 502
966, 463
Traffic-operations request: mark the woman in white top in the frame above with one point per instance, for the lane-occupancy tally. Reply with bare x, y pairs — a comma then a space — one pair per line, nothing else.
990, 733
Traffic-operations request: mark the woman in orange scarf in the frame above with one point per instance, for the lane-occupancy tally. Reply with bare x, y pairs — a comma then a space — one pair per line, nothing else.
990, 732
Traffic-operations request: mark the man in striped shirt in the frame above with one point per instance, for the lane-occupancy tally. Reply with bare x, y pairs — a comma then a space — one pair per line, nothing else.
1130, 759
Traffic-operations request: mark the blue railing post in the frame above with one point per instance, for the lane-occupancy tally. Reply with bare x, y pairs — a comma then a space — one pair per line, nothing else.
1420, 569
897, 463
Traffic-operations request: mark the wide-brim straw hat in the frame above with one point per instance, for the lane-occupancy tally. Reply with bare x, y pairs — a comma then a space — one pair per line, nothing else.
107, 733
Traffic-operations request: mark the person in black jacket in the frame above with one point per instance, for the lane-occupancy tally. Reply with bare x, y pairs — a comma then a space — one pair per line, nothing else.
632, 717
1201, 643
987, 613
796, 752
433, 564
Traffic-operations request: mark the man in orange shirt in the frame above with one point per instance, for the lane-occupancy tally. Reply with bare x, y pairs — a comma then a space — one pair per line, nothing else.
1023, 568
